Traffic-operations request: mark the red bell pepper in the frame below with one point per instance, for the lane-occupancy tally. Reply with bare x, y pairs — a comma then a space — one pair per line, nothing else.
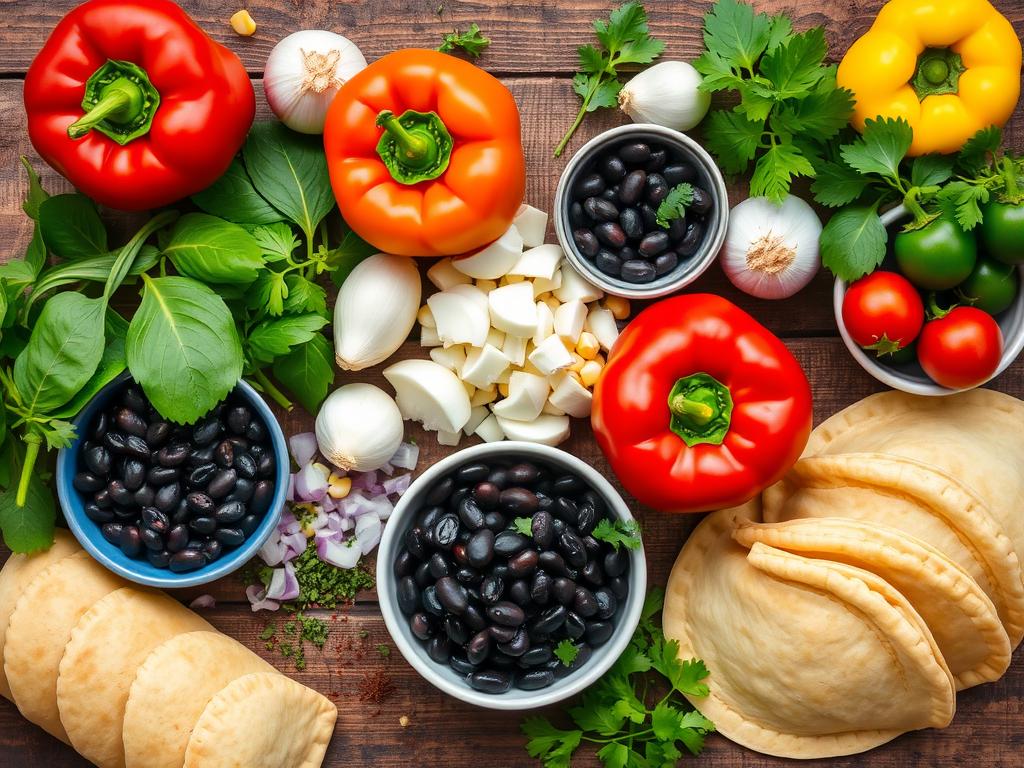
700, 406
135, 104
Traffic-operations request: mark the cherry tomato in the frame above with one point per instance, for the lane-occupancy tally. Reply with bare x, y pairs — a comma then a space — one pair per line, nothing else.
883, 312
961, 349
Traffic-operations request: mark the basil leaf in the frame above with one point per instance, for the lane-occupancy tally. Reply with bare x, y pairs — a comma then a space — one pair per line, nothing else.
853, 243
233, 197
62, 353
36, 194
307, 372
274, 338
183, 348
71, 226
112, 364
29, 528
290, 170
213, 250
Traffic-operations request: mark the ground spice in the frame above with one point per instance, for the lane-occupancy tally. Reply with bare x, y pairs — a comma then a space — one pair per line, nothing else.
376, 687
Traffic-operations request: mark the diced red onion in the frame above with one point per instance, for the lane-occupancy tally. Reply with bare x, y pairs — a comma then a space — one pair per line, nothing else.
273, 552
283, 584
290, 494
406, 457
330, 535
398, 484
310, 483
381, 507
368, 529
355, 504
320, 520
365, 480
303, 447
289, 523
257, 596
339, 555
388, 468
203, 601
296, 543
334, 521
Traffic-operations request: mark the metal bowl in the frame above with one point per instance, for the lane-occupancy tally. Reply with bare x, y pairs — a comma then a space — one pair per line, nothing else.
910, 377
710, 179
441, 675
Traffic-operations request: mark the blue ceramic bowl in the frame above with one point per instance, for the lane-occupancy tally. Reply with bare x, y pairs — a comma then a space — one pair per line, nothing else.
142, 571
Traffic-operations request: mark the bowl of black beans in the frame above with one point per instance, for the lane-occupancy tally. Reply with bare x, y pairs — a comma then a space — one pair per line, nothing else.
608, 202
493, 583
171, 505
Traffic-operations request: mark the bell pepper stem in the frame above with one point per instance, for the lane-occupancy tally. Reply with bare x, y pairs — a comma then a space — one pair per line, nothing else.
415, 148
121, 99
698, 413
1010, 179
700, 409
938, 72
33, 443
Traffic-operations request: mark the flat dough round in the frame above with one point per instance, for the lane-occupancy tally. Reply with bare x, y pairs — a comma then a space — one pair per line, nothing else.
107, 647
178, 679
918, 499
960, 616
808, 658
262, 721
16, 574
40, 628
976, 437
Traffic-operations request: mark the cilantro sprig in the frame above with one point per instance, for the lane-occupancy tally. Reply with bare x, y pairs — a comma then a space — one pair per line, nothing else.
472, 42
674, 206
624, 713
623, 39
790, 105
618, 533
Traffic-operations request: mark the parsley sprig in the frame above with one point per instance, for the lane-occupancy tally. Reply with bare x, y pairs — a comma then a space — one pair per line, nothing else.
472, 41
634, 727
674, 206
618, 533
624, 39
790, 105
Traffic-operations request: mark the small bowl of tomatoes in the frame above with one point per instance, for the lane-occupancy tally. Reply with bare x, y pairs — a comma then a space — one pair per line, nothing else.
939, 316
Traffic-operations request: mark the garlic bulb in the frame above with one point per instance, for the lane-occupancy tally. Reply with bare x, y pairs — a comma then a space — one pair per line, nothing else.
666, 94
375, 311
303, 74
359, 427
771, 250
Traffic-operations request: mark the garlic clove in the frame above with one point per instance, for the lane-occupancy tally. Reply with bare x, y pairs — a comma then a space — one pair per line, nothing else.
449, 439
575, 288
444, 276
476, 418
459, 317
569, 321
512, 309
495, 260
571, 397
514, 349
666, 94
375, 310
601, 323
532, 224
545, 323
542, 286
483, 366
527, 394
541, 261
551, 356
545, 429
430, 394
429, 337
452, 358
490, 430
359, 427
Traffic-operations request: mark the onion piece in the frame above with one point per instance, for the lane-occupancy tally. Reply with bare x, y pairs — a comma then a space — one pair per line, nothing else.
273, 552
339, 555
283, 584
290, 493
398, 485
303, 447
368, 530
406, 457
257, 596
203, 601
310, 484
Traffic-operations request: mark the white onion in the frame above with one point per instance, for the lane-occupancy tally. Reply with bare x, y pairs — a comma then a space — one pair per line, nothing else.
203, 601
303, 447
257, 597
344, 555
368, 529
283, 584
667, 94
359, 427
406, 457
771, 251
304, 73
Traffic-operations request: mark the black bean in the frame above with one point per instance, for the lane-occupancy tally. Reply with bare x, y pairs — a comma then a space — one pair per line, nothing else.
607, 603
200, 503
126, 514
87, 482
563, 590
677, 229
598, 632
549, 620
535, 679
481, 547
119, 494
206, 431
584, 603
600, 209
238, 419
654, 243
490, 681
518, 645
408, 595
565, 509
470, 514
524, 563
519, 593
102, 498
224, 454
97, 459
692, 239
457, 497
461, 665
495, 521
469, 576
429, 516
440, 492
677, 173
439, 649
97, 515
540, 588
567, 485
422, 626
422, 575
248, 525
586, 241
130, 541
437, 565
612, 169
200, 456
187, 560
665, 263
611, 234
502, 634
245, 465
508, 543
702, 201
162, 475
243, 491
589, 185
656, 189
173, 455
157, 434
478, 647
636, 152
130, 422
158, 558
431, 602
134, 399
608, 262
459, 553
229, 512
537, 655
592, 573
222, 483
265, 465
154, 518
542, 529
167, 498
114, 441
658, 159
491, 589
177, 538
502, 572
203, 525
136, 447
486, 495
574, 626
261, 497
471, 474
133, 474
619, 587
506, 613
151, 539
499, 476
99, 429
474, 618
638, 271
445, 531
455, 630
552, 562
453, 596
632, 223
577, 217
112, 532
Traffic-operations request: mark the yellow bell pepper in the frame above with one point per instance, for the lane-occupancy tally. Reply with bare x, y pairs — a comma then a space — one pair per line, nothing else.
948, 67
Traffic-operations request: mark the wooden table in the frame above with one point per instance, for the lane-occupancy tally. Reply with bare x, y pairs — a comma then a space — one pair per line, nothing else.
533, 51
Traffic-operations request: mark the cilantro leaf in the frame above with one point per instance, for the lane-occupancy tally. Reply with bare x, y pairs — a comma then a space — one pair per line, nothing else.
822, 113
684, 676
523, 525
268, 292
781, 29
277, 241
566, 651
794, 66
976, 153
665, 721
964, 201
931, 170
775, 170
756, 100
853, 243
734, 32
275, 338
614, 755
674, 205
591, 60
837, 184
631, 661
472, 41
620, 532
718, 74
304, 296
553, 746
733, 139
880, 148
307, 372
594, 714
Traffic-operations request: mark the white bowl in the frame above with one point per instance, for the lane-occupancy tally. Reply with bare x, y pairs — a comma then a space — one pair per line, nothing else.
910, 377
444, 677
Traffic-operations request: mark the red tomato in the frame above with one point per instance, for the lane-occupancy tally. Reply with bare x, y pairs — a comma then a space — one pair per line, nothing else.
962, 349
883, 311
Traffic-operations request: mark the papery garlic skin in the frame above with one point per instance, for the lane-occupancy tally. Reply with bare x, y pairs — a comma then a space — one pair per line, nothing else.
666, 94
375, 311
359, 427
771, 250
304, 73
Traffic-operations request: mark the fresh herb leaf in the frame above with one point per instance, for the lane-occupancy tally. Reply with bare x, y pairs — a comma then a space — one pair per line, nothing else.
620, 532
304, 296
552, 745
472, 41
823, 113
112, 364
182, 347
614, 755
268, 292
213, 250
566, 651
71, 226
734, 33
964, 200
307, 372
624, 39
794, 67
36, 194
880, 148
233, 197
978, 151
931, 170
776, 169
837, 184
275, 338
276, 241
28, 528
733, 139
674, 205
853, 242
523, 525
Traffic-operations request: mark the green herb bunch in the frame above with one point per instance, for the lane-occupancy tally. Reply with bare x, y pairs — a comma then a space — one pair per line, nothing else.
472, 42
790, 105
636, 713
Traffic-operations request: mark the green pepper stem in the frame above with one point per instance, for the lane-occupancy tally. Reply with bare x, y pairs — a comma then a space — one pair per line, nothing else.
696, 412
121, 101
938, 72
417, 149
1010, 179
935, 71
32, 445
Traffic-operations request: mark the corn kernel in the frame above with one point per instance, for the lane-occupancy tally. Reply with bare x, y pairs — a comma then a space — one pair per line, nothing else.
588, 346
340, 489
486, 285
514, 279
590, 372
553, 303
618, 306
599, 359
243, 23
470, 389
503, 389
425, 317
334, 478
577, 363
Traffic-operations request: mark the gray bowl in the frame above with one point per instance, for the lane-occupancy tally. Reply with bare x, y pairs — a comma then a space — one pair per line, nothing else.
710, 179
911, 377
442, 676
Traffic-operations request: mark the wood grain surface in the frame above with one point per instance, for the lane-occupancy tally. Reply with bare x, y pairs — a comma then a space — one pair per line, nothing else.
533, 50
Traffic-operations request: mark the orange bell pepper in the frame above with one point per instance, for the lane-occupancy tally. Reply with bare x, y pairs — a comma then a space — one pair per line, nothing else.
425, 154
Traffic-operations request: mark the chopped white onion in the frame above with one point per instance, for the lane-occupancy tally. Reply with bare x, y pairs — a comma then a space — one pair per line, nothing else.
273, 552
398, 484
283, 584
368, 530
203, 601
406, 457
339, 555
